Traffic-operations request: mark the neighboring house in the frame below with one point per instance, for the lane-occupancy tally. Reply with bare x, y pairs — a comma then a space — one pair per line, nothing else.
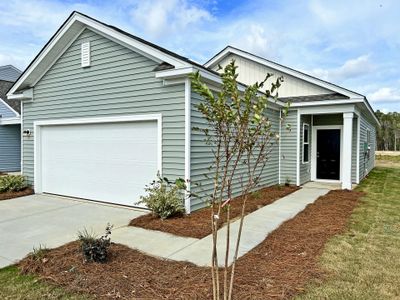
104, 110
10, 122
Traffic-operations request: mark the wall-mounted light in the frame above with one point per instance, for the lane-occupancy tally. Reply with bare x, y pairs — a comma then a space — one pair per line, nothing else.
27, 132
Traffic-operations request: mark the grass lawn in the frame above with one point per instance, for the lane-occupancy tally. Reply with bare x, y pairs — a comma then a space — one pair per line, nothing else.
14, 286
364, 262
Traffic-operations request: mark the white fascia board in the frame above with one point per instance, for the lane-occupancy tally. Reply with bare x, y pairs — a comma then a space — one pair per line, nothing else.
9, 107
207, 76
76, 17
334, 109
326, 102
286, 70
25, 95
10, 121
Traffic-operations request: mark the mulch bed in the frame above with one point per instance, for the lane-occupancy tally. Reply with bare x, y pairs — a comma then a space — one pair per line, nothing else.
278, 268
198, 224
10, 195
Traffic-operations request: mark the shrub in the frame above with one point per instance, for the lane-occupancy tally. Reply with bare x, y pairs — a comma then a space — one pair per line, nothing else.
95, 249
12, 183
40, 252
165, 198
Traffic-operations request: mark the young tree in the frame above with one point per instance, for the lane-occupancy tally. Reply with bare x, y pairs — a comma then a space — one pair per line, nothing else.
241, 137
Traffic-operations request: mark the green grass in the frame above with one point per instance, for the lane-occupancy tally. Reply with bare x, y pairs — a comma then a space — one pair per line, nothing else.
17, 287
393, 158
364, 263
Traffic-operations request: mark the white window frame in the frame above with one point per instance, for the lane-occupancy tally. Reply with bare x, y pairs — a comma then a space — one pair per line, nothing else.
306, 143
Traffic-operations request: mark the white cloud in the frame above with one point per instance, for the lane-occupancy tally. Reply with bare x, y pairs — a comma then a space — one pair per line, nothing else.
352, 68
168, 16
385, 94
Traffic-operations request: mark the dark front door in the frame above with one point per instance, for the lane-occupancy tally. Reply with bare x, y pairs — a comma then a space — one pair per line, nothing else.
328, 154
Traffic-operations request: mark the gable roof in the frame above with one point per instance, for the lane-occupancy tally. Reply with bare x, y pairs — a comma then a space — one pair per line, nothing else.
9, 73
72, 27
284, 69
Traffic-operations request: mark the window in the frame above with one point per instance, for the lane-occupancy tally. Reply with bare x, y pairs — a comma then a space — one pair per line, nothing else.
306, 143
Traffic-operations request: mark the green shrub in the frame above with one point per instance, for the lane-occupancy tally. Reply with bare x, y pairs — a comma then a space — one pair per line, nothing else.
12, 183
95, 249
39, 253
165, 198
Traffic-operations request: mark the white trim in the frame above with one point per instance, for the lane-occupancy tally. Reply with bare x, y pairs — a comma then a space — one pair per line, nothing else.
289, 71
279, 147
187, 142
25, 95
303, 143
327, 110
298, 150
347, 150
10, 108
327, 102
22, 137
59, 55
85, 54
77, 17
174, 74
114, 119
314, 152
10, 121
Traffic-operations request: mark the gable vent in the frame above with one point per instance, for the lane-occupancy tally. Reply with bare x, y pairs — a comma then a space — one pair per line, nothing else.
85, 54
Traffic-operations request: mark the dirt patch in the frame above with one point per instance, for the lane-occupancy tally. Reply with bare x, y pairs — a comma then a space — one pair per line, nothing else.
197, 224
10, 195
278, 268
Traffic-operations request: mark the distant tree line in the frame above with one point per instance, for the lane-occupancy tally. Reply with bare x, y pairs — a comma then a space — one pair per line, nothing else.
388, 135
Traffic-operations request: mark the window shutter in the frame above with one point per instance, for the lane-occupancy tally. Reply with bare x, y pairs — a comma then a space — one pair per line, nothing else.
85, 54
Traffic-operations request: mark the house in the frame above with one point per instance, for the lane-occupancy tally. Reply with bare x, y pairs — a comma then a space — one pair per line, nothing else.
104, 110
10, 122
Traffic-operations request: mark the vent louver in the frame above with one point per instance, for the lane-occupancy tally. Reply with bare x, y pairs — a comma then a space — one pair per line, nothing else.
85, 54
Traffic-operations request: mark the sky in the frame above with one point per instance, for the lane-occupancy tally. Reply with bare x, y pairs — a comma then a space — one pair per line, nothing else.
355, 44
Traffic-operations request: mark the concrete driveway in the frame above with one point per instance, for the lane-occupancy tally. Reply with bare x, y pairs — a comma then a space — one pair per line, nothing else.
52, 221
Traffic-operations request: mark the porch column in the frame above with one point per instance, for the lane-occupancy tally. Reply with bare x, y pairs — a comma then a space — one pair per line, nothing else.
347, 150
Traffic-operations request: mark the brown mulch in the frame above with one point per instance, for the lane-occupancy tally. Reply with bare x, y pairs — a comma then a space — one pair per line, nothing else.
197, 224
10, 195
278, 268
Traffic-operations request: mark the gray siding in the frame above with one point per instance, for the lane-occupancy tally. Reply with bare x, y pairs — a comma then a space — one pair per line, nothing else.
367, 163
201, 158
10, 148
118, 82
305, 168
289, 149
5, 112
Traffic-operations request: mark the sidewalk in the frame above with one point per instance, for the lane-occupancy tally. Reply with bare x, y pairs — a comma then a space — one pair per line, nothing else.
257, 226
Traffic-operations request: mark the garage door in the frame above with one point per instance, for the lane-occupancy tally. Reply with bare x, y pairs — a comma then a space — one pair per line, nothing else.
110, 162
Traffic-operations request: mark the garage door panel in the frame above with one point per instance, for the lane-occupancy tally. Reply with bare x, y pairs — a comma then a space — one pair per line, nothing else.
106, 162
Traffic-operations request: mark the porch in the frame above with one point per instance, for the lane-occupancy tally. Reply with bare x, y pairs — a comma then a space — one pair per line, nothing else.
328, 146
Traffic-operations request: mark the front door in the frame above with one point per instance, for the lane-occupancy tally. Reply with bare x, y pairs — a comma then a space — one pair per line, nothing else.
328, 154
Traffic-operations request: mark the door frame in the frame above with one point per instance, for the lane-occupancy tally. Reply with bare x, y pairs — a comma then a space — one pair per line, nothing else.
314, 152
37, 125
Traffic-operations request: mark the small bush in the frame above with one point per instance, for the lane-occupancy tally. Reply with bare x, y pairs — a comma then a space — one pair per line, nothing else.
40, 252
95, 249
165, 199
12, 183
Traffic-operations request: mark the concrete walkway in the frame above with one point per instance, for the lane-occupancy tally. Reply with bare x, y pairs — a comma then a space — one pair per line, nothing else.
52, 221
257, 226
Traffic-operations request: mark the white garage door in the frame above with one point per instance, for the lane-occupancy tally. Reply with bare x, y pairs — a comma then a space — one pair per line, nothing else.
110, 162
